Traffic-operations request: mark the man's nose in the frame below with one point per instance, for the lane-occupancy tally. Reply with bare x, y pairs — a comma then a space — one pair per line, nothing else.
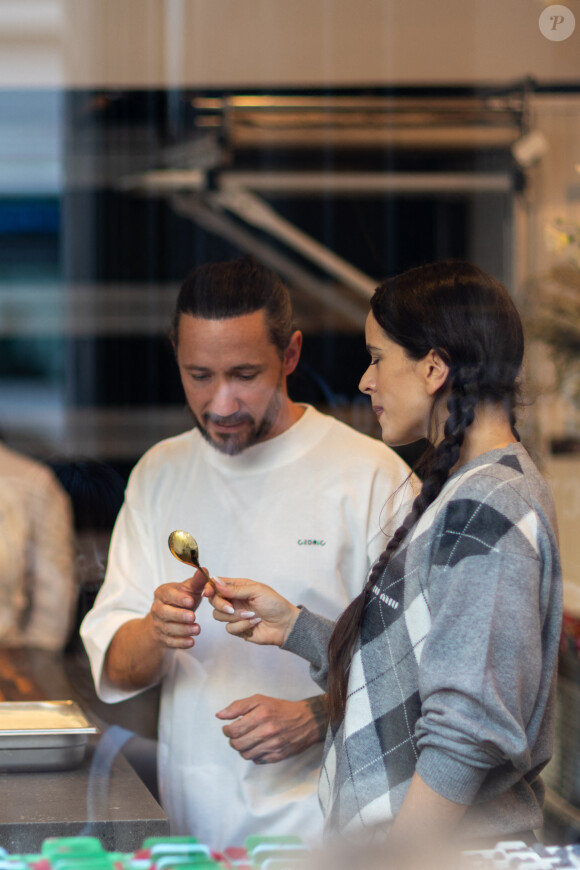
224, 400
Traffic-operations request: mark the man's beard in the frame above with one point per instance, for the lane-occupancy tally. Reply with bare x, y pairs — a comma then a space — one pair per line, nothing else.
236, 442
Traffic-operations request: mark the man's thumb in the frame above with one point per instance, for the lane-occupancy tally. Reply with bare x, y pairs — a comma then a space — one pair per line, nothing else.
196, 583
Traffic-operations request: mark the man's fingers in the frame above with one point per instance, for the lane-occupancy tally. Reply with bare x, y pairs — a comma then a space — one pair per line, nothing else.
197, 584
241, 727
179, 642
239, 707
169, 613
246, 713
178, 595
250, 741
177, 629
176, 635
260, 752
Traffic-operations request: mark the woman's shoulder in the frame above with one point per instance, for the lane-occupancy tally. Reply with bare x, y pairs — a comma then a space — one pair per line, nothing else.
496, 504
498, 490
505, 473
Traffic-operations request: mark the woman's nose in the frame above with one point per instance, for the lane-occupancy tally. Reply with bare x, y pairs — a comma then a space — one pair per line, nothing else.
366, 383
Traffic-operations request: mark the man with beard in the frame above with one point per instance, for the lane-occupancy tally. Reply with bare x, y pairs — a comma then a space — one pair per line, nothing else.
272, 490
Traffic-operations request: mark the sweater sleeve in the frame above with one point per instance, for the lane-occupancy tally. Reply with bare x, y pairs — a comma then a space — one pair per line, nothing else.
309, 639
485, 673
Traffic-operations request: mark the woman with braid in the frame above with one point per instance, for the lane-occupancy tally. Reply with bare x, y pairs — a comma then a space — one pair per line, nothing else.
441, 674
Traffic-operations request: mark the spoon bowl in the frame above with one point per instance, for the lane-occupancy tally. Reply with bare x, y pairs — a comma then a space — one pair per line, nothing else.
184, 547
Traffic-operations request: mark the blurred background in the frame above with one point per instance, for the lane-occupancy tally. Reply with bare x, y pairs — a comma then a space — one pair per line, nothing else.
339, 143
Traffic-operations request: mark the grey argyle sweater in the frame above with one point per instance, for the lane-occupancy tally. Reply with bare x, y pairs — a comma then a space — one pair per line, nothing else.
454, 671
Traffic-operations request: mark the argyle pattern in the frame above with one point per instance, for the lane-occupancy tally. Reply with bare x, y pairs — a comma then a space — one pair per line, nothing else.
370, 759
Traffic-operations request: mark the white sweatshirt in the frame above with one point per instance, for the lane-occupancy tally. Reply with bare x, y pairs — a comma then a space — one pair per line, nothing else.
302, 512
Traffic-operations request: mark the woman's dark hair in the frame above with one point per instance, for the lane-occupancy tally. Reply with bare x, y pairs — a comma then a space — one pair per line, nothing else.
217, 291
468, 317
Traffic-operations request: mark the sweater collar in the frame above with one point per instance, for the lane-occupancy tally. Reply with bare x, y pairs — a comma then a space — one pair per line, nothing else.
514, 449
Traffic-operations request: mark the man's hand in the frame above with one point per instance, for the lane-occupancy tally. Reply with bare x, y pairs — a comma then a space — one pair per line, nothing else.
137, 652
173, 612
271, 729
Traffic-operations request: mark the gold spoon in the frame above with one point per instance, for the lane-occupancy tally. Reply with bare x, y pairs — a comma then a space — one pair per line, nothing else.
184, 547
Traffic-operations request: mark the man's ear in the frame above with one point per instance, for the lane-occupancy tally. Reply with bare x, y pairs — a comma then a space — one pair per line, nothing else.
436, 372
292, 352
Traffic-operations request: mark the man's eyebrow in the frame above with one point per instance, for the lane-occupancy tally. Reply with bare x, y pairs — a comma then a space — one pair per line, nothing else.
245, 367
254, 367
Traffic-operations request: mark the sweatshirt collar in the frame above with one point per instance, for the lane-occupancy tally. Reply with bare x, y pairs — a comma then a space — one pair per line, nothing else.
274, 452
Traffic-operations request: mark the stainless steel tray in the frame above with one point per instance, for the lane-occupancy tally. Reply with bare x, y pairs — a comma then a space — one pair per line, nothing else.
42, 735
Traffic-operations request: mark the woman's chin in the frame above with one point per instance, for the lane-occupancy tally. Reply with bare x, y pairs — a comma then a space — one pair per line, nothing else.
392, 439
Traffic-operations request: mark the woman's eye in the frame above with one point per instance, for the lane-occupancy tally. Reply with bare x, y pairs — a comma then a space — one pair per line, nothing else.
374, 362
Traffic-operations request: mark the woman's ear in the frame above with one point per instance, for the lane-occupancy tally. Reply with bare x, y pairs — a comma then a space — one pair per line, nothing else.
436, 372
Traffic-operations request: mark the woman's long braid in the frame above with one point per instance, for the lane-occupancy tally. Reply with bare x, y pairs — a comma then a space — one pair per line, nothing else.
464, 394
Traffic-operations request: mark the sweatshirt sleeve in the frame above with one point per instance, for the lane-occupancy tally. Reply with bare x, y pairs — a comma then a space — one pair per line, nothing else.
126, 594
309, 639
486, 668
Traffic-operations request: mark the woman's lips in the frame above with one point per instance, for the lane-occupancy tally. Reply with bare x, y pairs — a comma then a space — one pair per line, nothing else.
378, 410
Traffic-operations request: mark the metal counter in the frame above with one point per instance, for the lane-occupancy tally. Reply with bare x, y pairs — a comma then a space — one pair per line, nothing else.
103, 796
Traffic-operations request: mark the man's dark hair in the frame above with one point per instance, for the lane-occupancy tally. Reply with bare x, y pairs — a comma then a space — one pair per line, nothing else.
218, 291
